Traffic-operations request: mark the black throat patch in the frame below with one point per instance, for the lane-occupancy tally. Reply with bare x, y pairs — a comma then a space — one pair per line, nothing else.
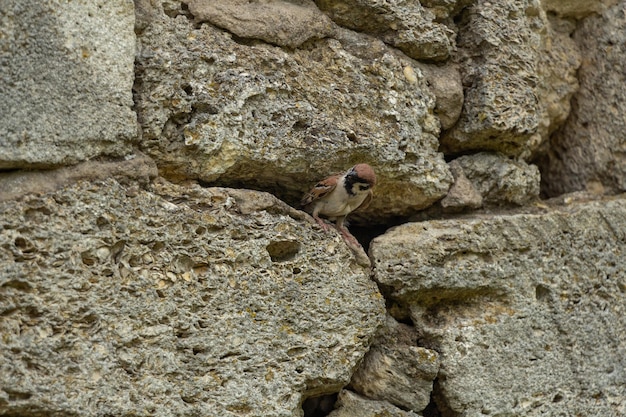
350, 181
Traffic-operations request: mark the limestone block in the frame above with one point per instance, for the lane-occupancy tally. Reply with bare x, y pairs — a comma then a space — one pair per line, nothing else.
350, 404
66, 81
396, 369
498, 47
280, 22
557, 67
463, 194
501, 180
445, 83
405, 25
526, 311
175, 301
589, 151
576, 8
445, 9
255, 115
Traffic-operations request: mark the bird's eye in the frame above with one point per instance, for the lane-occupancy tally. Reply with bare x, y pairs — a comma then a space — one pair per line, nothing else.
364, 187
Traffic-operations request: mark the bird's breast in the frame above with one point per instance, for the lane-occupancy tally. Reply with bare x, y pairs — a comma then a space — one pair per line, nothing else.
340, 203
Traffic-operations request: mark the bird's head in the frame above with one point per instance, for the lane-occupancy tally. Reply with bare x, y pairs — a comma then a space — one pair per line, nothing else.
362, 176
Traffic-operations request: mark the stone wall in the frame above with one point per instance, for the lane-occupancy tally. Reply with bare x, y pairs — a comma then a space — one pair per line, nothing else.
154, 259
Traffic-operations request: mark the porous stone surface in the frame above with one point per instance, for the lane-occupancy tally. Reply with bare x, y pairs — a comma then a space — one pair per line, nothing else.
526, 311
136, 170
445, 83
463, 194
576, 8
180, 300
396, 369
283, 23
66, 81
232, 113
519, 74
558, 62
403, 24
501, 105
589, 152
350, 404
500, 180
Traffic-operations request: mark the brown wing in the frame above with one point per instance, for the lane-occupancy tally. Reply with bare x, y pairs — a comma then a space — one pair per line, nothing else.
321, 189
365, 202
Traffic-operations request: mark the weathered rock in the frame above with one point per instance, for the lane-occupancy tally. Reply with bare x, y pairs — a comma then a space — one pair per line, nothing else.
280, 22
405, 25
396, 369
576, 8
463, 194
557, 67
590, 150
138, 169
185, 301
445, 83
66, 80
350, 404
445, 9
501, 180
266, 118
498, 44
526, 311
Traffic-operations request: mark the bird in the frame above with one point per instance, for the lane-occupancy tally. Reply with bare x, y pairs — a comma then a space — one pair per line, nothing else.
339, 195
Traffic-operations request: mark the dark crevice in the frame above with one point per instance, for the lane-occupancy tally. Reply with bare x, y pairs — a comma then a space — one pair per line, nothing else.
438, 406
319, 406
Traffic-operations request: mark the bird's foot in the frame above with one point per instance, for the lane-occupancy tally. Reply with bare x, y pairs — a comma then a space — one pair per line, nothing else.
348, 237
325, 227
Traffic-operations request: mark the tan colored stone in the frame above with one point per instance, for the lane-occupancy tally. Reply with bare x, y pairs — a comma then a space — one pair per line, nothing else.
280, 22
66, 82
526, 311
266, 118
396, 370
178, 300
350, 404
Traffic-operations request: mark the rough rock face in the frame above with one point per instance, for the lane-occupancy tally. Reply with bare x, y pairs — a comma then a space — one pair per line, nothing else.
500, 180
518, 73
396, 369
232, 112
115, 300
122, 294
526, 311
350, 404
589, 152
282, 23
405, 25
501, 105
66, 80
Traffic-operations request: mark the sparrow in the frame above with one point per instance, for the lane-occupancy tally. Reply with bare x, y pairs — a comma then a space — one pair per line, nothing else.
339, 195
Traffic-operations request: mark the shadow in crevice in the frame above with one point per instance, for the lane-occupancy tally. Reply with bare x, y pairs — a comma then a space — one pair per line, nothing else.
319, 406
438, 406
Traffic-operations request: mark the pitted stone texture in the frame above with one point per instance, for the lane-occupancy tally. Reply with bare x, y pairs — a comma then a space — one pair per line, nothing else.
463, 194
589, 151
445, 83
498, 43
185, 301
66, 81
256, 115
499, 179
138, 170
350, 404
405, 25
576, 8
396, 369
280, 22
526, 311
